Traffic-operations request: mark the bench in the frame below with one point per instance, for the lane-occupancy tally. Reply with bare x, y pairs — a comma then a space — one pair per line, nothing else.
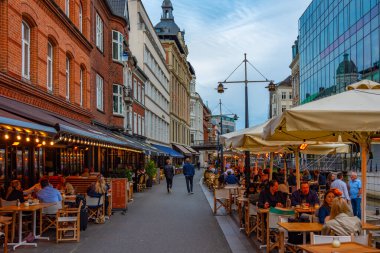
55, 180
80, 184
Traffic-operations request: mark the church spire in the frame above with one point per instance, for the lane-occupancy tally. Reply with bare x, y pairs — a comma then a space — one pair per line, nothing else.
167, 10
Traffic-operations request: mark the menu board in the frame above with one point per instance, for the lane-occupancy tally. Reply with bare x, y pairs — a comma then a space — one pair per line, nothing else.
119, 193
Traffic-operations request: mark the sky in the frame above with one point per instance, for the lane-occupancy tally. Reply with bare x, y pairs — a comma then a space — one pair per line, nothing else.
219, 32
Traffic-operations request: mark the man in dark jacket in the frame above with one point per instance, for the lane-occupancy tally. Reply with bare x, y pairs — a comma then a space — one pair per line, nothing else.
169, 174
271, 197
189, 171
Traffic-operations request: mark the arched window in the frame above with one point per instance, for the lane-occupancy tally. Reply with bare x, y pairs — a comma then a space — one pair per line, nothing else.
25, 50
49, 66
80, 17
67, 78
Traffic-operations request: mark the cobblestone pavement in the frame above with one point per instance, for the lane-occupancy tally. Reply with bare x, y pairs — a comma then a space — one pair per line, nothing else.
155, 222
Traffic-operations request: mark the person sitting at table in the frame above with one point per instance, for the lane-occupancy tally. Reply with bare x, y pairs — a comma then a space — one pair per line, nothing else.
271, 197
325, 210
341, 222
65, 187
48, 194
231, 178
35, 188
306, 175
14, 192
86, 172
304, 195
99, 188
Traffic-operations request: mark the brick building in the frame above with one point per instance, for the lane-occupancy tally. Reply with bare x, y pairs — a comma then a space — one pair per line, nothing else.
62, 88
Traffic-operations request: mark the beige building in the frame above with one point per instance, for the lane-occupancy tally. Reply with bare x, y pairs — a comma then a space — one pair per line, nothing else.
172, 39
281, 98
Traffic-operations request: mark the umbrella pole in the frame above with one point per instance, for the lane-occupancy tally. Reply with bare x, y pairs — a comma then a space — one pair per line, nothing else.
286, 170
363, 153
271, 166
296, 154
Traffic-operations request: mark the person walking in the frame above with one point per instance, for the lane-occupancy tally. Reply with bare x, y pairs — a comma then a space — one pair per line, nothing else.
169, 174
188, 172
341, 186
356, 194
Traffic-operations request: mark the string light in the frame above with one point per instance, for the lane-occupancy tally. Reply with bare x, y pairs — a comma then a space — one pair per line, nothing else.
18, 136
27, 138
51, 143
6, 135
37, 140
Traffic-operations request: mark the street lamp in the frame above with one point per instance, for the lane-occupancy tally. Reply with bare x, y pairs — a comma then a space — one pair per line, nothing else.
221, 88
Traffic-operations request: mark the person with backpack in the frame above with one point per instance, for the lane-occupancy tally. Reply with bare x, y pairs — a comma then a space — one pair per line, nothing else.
169, 174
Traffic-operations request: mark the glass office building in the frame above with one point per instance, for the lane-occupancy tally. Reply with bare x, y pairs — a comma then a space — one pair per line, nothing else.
338, 45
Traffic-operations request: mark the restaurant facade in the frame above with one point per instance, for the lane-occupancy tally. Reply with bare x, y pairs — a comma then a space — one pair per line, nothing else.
62, 90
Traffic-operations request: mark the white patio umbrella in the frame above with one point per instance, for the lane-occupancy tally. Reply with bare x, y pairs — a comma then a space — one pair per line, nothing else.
351, 116
250, 139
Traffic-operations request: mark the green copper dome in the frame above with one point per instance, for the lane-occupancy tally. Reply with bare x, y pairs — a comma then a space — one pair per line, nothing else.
347, 66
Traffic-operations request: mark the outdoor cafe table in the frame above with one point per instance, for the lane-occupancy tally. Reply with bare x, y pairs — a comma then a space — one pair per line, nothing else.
300, 210
304, 227
6, 221
369, 226
22, 208
345, 247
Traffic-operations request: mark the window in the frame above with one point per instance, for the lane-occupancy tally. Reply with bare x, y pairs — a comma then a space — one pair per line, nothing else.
117, 46
80, 17
49, 67
134, 89
139, 93
283, 109
117, 99
67, 78
81, 87
99, 32
134, 123
143, 95
290, 95
142, 126
67, 8
99, 92
25, 50
139, 125
283, 95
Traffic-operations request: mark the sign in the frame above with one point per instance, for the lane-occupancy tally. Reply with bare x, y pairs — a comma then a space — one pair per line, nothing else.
119, 193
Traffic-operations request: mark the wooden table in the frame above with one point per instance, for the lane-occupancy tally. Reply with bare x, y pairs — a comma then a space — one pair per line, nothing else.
345, 247
22, 208
5, 221
304, 227
369, 226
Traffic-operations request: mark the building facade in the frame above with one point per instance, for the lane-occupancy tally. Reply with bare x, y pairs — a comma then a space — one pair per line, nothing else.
295, 74
150, 56
338, 45
172, 40
281, 98
58, 68
223, 123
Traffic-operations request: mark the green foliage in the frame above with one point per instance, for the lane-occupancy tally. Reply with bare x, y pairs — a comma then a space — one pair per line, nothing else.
150, 169
122, 173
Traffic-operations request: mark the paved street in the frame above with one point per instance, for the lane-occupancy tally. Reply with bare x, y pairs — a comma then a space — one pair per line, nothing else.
155, 222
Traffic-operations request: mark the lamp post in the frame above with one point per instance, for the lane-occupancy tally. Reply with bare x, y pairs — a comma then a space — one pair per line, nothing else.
221, 89
220, 146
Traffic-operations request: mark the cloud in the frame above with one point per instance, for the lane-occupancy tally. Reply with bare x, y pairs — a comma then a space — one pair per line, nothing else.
219, 32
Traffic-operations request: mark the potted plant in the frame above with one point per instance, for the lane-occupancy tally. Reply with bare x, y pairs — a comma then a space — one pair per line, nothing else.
150, 169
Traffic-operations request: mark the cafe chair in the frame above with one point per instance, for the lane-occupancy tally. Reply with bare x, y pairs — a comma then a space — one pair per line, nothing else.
251, 223
222, 199
363, 239
321, 239
273, 231
68, 224
10, 214
141, 185
94, 206
49, 217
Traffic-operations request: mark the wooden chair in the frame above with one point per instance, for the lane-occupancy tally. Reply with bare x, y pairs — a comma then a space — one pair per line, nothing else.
10, 214
141, 185
49, 217
95, 206
273, 232
81, 184
251, 224
68, 220
4, 222
222, 199
321, 239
